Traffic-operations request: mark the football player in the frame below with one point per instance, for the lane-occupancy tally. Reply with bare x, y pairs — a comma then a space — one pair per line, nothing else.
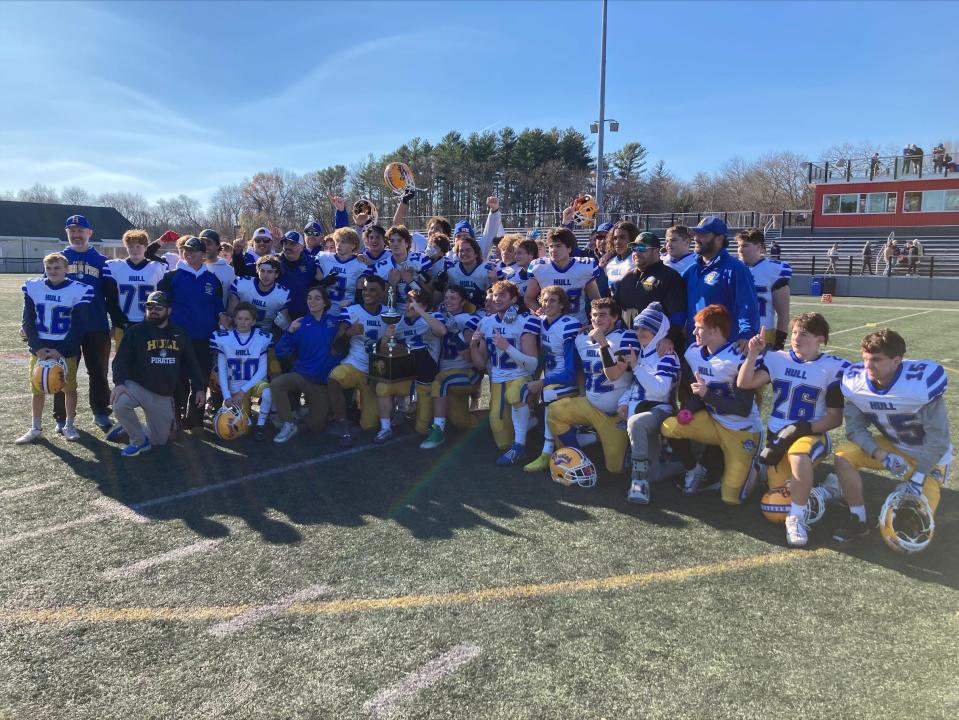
55, 310
420, 331
242, 364
771, 278
457, 379
903, 400
374, 238
524, 253
504, 343
649, 400
618, 260
361, 326
264, 293
577, 276
342, 269
601, 356
557, 338
678, 256
723, 414
403, 270
136, 277
507, 250
469, 271
807, 403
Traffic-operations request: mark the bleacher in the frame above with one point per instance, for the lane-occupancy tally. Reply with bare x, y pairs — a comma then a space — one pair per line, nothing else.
807, 254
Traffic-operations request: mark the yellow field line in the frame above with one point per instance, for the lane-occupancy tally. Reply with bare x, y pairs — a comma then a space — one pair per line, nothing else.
403, 602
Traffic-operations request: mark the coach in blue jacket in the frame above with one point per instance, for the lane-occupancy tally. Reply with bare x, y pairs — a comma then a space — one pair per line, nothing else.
196, 299
717, 278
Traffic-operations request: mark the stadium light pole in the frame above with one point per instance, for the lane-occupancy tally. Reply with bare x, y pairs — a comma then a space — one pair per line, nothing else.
602, 121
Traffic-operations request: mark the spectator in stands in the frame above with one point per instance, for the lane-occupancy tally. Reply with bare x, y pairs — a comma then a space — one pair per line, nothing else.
866, 261
917, 158
833, 255
678, 254
888, 256
939, 158
875, 166
775, 252
913, 251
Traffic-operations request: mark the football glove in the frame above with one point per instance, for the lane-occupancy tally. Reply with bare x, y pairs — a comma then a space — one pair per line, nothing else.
407, 196
913, 486
773, 453
895, 464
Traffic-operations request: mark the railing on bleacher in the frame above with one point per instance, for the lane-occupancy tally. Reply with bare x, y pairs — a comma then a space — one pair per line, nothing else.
894, 167
925, 266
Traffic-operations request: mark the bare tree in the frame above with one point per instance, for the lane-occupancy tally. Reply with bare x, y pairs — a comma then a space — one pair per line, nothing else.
39, 193
75, 195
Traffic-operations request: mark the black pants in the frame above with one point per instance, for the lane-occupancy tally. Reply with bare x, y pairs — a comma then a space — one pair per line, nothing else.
95, 349
186, 410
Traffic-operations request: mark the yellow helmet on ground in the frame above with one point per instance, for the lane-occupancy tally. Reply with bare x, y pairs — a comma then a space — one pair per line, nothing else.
775, 504
569, 466
49, 376
229, 423
906, 522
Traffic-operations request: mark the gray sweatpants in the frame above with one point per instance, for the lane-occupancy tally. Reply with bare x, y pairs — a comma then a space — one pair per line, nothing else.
158, 410
644, 436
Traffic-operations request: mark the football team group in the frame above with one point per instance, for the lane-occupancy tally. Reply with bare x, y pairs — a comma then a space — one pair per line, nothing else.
657, 349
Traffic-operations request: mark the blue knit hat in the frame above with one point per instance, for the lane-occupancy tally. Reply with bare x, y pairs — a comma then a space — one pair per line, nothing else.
464, 225
651, 318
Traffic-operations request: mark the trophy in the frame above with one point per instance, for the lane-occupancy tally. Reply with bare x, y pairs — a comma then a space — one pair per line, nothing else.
394, 363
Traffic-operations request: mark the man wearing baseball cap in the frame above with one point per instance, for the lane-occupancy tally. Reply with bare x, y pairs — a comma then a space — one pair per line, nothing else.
313, 232
651, 281
717, 278
146, 373
244, 261
214, 263
196, 303
298, 272
88, 266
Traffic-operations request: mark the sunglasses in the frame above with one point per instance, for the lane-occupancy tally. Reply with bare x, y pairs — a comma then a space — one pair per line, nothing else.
313, 234
262, 240
640, 248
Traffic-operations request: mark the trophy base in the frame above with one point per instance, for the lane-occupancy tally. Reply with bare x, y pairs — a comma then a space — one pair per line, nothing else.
391, 367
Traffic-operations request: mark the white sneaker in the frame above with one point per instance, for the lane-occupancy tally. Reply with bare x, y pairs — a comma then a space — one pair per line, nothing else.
383, 435
287, 430
28, 437
797, 534
696, 481
70, 433
831, 485
638, 492
60, 428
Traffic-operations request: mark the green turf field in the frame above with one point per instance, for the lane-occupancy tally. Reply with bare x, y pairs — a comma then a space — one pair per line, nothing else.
303, 581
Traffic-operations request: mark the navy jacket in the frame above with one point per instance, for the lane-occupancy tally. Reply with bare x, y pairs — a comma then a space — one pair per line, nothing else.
196, 298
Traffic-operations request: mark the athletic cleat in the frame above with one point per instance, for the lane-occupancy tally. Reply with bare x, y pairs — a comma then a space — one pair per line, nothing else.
70, 433
797, 534
512, 456
697, 481
383, 435
132, 450
104, 422
259, 434
116, 433
638, 492
540, 463
60, 426
287, 430
29, 436
853, 529
435, 438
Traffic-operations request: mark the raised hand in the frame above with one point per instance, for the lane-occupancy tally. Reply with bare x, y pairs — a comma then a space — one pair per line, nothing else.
757, 343
492, 202
699, 387
338, 203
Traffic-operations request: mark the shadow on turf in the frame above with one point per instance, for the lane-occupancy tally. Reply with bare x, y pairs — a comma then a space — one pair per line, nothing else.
433, 494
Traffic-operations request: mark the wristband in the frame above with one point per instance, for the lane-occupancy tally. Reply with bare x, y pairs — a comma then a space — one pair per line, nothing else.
608, 361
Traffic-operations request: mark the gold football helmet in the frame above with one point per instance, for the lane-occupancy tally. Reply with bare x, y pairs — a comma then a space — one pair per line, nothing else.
49, 376
585, 210
775, 504
365, 206
906, 522
229, 423
569, 466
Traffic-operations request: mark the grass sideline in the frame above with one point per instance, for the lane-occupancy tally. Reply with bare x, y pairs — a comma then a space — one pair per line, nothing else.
582, 605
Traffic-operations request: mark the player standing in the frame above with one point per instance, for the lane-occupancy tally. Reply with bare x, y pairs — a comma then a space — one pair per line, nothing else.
771, 278
577, 276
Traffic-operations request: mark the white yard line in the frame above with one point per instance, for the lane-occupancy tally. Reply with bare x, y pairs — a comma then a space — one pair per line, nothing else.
135, 508
879, 322
871, 307
258, 614
120, 510
388, 701
26, 489
151, 562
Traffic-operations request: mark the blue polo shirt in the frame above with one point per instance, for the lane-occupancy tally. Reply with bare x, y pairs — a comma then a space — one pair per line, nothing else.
725, 281
313, 344
196, 299
297, 278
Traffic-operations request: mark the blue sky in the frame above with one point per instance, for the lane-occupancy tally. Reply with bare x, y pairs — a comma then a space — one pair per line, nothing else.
164, 98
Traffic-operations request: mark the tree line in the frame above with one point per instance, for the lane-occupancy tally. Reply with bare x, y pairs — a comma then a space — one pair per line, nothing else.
534, 173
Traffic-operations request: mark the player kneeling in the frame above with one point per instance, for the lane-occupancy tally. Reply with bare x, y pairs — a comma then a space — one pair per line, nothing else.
903, 400
807, 404
601, 355
722, 414
649, 401
241, 369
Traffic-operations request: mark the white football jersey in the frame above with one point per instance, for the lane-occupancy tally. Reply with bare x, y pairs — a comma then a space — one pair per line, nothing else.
555, 338
135, 283
573, 280
501, 366
453, 343
893, 411
616, 269
679, 265
346, 272
601, 392
476, 282
415, 261
374, 329
416, 334
243, 353
268, 304
800, 387
517, 275
54, 306
171, 259
663, 370
719, 371
769, 275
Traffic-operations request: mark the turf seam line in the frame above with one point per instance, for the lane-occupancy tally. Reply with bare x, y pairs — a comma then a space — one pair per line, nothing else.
151, 562
842, 305
51, 529
387, 701
408, 602
262, 612
879, 322
17, 492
